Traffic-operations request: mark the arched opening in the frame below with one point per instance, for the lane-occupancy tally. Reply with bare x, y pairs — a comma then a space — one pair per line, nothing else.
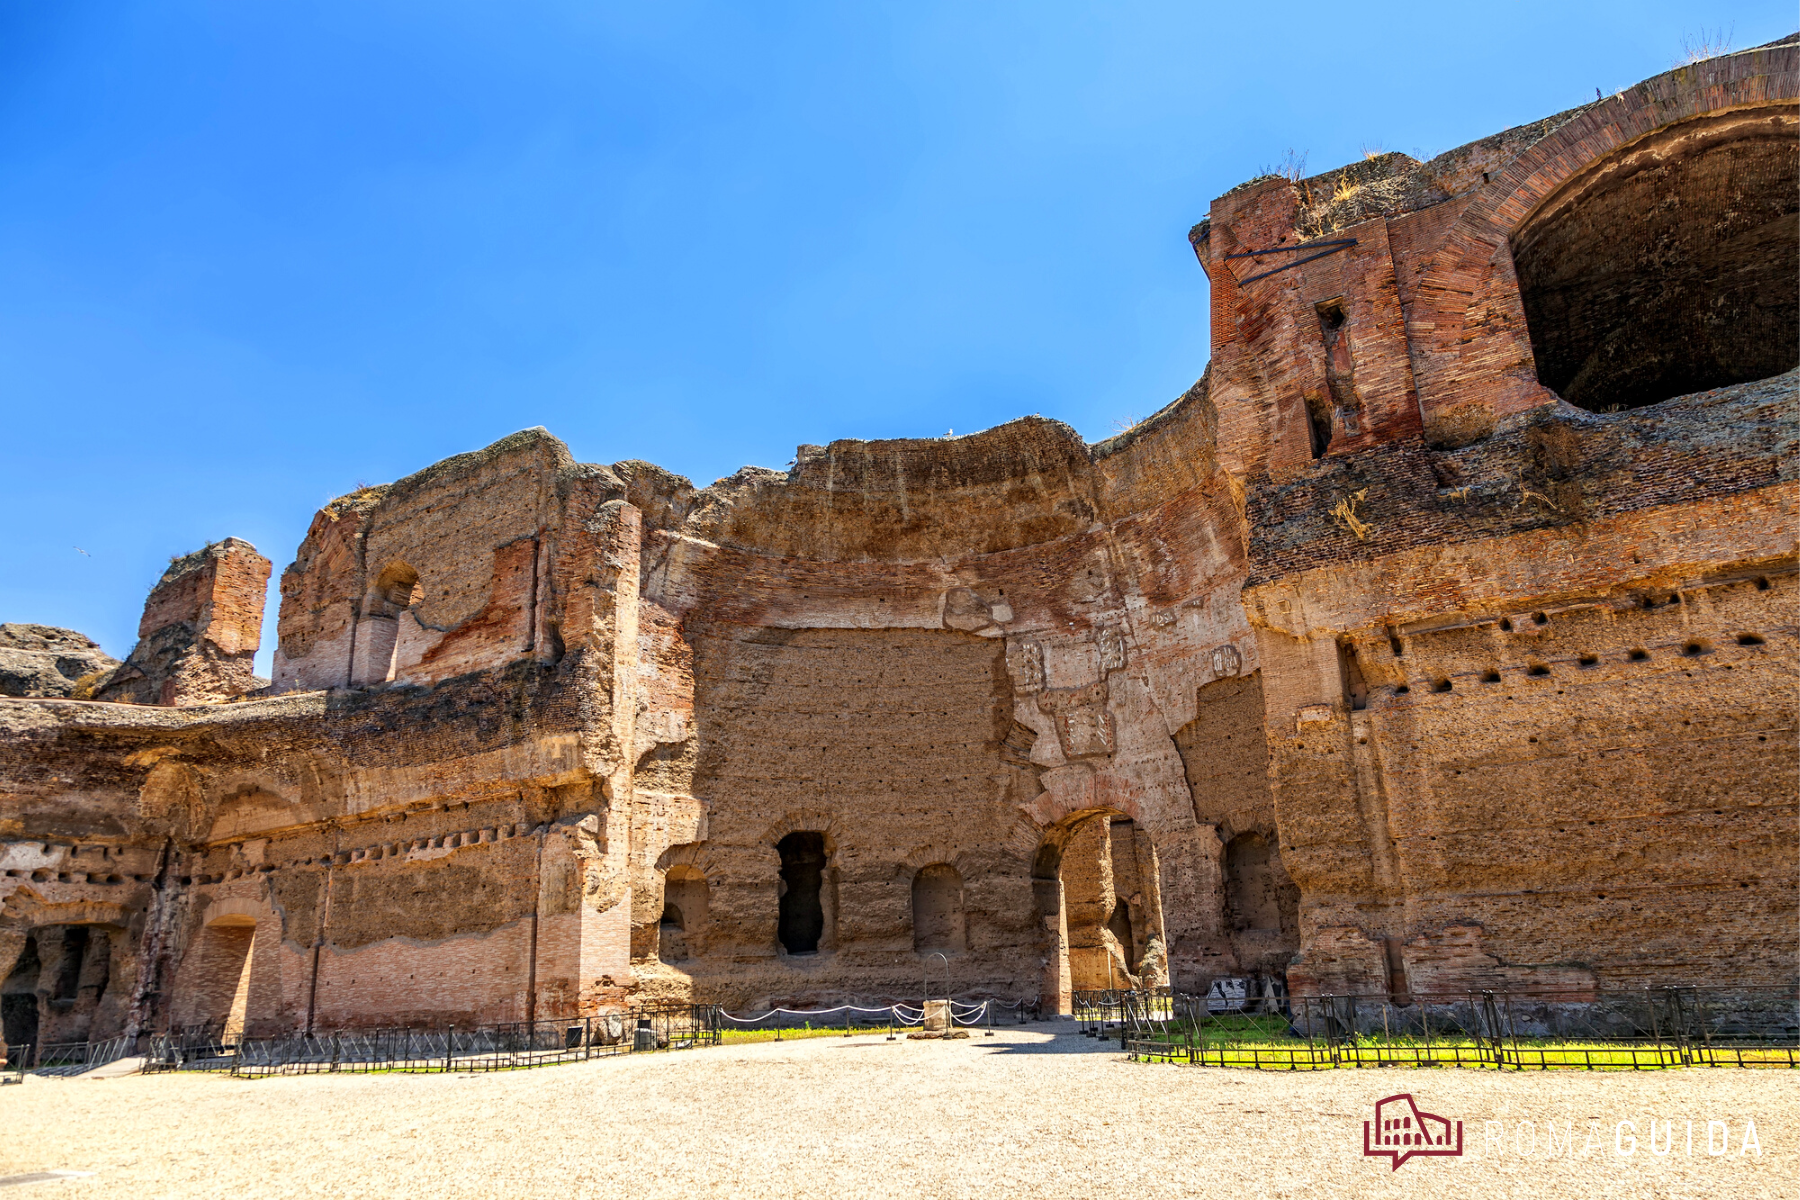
395, 590
19, 1004
1262, 905
685, 901
59, 982
216, 978
801, 919
937, 910
1100, 901
1668, 267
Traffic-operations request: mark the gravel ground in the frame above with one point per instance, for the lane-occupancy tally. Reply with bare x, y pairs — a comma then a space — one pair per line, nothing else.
1024, 1113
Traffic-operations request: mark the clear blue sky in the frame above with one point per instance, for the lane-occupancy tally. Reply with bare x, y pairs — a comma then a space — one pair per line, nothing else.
256, 253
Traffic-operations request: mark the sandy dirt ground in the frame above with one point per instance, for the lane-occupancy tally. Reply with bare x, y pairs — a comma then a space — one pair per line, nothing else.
1024, 1113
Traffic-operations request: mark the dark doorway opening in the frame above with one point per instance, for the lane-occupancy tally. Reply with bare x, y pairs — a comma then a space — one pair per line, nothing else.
802, 913
19, 1004
74, 951
1668, 267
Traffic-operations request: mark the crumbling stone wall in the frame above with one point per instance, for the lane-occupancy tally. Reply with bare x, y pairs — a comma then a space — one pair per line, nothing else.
1370, 662
198, 636
43, 661
1462, 598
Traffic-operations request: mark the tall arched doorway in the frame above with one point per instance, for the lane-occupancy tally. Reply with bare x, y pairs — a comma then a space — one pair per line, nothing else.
216, 977
1099, 900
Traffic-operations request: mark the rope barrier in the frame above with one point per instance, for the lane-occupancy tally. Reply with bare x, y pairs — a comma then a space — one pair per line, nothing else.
961, 1013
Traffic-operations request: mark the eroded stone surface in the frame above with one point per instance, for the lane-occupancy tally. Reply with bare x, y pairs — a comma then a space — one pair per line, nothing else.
198, 636
42, 661
1367, 665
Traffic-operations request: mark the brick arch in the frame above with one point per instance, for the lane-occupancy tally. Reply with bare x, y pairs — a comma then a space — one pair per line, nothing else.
234, 910
922, 856
1055, 837
697, 855
248, 807
1161, 808
802, 821
1471, 280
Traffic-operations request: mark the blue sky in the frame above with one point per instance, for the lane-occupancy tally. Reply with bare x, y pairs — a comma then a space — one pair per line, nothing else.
256, 254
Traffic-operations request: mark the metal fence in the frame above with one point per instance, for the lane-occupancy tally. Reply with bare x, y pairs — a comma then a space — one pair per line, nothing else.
499, 1047
70, 1058
1640, 1029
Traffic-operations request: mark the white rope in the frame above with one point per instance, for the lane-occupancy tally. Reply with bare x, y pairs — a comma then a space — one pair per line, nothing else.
901, 1014
892, 1010
975, 1016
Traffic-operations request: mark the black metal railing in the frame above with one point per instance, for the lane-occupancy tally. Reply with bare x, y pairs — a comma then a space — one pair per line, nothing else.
1636, 1029
76, 1058
500, 1047
12, 1068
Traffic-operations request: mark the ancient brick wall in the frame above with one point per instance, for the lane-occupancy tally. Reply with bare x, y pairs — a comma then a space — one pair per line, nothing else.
1506, 659
441, 573
1371, 661
887, 742
403, 854
198, 636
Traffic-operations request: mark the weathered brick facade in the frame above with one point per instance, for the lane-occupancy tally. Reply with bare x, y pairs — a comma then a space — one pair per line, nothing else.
1372, 663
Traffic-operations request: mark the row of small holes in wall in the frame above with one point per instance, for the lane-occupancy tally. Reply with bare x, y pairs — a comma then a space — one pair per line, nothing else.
379, 851
1647, 602
449, 841
1588, 660
1694, 649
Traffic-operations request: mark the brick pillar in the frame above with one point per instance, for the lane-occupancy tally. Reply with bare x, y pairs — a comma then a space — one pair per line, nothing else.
199, 633
1224, 304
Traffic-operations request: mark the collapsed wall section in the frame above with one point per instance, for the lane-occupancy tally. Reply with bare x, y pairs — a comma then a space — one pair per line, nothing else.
199, 633
405, 850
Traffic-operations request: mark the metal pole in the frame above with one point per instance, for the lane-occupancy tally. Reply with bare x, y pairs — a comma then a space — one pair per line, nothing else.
1512, 1030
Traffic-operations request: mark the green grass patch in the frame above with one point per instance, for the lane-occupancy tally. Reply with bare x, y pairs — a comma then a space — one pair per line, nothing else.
736, 1037
1248, 1042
